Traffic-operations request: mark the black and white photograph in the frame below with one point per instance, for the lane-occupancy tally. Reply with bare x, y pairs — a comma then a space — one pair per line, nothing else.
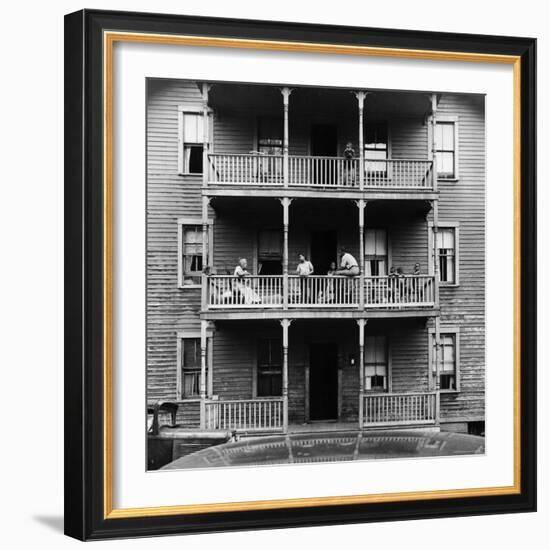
315, 278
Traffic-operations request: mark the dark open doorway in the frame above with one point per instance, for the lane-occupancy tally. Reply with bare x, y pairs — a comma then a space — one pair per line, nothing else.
323, 381
324, 143
324, 140
323, 250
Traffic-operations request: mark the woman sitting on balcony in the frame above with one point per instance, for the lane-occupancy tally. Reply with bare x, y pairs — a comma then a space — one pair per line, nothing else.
244, 293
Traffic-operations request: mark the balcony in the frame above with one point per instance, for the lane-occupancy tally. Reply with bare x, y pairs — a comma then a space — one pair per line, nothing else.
247, 415
312, 172
225, 292
400, 409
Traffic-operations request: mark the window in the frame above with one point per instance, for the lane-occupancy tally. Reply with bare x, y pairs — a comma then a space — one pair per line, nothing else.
191, 138
447, 361
376, 363
445, 254
190, 367
445, 150
376, 252
270, 136
192, 260
270, 255
270, 364
376, 148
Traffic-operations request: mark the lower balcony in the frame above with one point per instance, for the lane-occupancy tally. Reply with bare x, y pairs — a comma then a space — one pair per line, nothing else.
225, 292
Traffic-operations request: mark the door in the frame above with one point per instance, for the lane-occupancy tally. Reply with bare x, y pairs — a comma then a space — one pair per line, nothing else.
324, 143
323, 381
323, 250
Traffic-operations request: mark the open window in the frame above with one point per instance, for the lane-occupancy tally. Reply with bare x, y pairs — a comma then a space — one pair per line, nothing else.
376, 252
448, 358
191, 262
189, 364
191, 139
376, 363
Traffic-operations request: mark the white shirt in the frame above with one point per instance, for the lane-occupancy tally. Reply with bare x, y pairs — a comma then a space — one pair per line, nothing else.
240, 272
305, 268
348, 261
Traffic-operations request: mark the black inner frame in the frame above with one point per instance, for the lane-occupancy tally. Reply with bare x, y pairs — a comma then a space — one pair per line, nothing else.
84, 514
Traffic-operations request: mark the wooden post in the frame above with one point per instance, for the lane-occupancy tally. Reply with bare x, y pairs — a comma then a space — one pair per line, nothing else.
361, 102
433, 98
205, 131
205, 258
204, 326
285, 201
286, 95
361, 204
361, 323
285, 323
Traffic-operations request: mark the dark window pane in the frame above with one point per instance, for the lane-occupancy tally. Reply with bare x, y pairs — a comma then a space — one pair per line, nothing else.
195, 160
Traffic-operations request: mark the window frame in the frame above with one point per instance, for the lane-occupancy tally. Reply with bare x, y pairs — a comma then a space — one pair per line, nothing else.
447, 119
388, 249
191, 335
256, 373
389, 381
445, 329
192, 110
189, 221
431, 244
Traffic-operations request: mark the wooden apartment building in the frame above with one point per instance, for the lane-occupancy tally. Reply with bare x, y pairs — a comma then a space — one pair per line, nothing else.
265, 173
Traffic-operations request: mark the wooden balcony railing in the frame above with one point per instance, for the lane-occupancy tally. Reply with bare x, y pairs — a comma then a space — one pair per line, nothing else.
316, 171
251, 169
323, 171
399, 409
261, 414
266, 291
400, 291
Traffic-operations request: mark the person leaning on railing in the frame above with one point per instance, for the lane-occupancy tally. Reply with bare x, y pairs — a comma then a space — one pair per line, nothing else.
304, 269
349, 167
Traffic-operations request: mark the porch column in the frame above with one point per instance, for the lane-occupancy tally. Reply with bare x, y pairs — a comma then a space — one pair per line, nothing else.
361, 204
361, 95
285, 201
286, 91
361, 323
205, 88
285, 323
204, 326
205, 256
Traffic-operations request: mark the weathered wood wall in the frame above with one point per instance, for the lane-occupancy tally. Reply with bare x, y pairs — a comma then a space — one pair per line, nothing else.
170, 196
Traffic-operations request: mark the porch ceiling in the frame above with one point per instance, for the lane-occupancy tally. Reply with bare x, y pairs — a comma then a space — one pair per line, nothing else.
315, 101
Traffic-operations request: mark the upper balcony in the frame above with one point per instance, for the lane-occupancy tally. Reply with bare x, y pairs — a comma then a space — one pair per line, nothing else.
320, 172
310, 142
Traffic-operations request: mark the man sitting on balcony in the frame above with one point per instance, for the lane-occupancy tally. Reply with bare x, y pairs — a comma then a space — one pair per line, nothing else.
348, 264
304, 270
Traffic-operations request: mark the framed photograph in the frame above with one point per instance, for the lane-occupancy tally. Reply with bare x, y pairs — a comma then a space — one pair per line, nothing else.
300, 274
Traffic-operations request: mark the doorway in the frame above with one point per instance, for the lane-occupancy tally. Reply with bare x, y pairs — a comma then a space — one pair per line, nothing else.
324, 143
323, 250
323, 381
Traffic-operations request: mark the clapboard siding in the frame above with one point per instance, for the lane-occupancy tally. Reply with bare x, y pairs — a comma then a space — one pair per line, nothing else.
169, 197
236, 225
463, 201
